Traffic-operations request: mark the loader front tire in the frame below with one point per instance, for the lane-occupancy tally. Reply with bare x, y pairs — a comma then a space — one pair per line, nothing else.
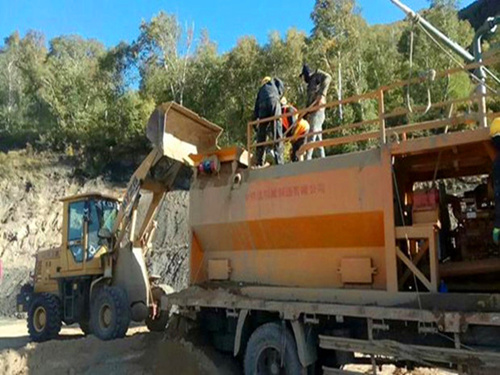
44, 317
271, 350
110, 314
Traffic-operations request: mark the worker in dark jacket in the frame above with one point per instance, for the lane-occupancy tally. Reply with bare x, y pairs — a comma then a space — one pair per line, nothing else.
317, 89
495, 138
267, 104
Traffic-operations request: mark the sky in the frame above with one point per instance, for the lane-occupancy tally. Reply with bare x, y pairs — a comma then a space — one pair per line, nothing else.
111, 21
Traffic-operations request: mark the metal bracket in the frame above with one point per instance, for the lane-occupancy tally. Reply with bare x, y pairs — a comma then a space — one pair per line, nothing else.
380, 326
239, 330
427, 328
452, 322
306, 344
310, 319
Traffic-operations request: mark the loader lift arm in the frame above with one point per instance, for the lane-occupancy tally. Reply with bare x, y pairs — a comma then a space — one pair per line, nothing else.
175, 133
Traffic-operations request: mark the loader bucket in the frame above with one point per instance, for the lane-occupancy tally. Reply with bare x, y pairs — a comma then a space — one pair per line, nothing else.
181, 132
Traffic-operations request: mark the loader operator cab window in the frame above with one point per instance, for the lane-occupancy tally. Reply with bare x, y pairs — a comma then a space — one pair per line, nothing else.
75, 229
107, 211
94, 212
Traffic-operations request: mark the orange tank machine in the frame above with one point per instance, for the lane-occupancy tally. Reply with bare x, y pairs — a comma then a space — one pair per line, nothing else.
371, 251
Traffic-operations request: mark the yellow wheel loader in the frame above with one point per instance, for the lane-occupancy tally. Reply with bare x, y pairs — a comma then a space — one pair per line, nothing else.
98, 276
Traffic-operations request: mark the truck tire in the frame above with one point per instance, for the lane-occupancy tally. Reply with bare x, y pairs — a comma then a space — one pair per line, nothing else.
159, 323
110, 313
44, 317
272, 350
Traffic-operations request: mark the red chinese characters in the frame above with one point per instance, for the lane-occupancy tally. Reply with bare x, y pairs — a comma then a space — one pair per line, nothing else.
295, 191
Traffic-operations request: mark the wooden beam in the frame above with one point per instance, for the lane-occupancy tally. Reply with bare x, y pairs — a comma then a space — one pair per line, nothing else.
338, 141
439, 141
352, 99
433, 124
404, 111
448, 155
469, 267
414, 231
414, 269
449, 173
449, 164
416, 260
381, 112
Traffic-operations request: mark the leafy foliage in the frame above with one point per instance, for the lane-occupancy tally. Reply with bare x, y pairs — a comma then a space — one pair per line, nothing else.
76, 95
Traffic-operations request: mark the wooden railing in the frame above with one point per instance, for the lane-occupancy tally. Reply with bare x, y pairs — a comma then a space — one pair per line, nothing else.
397, 131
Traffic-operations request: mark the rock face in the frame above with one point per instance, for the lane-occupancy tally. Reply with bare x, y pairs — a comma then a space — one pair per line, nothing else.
31, 219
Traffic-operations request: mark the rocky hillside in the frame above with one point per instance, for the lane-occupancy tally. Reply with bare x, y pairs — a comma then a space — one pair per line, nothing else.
31, 217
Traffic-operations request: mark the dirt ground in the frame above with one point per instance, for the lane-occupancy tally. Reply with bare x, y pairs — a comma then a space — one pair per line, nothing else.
141, 352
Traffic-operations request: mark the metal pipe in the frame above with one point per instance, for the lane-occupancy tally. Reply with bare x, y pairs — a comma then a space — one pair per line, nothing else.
488, 27
450, 43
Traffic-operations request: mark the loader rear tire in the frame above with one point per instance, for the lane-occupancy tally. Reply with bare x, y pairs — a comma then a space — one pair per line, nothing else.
159, 323
44, 317
272, 350
110, 314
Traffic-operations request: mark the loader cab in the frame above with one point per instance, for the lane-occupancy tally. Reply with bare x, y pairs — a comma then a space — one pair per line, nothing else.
85, 218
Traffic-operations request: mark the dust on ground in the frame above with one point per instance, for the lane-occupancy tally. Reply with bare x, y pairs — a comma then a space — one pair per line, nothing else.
141, 352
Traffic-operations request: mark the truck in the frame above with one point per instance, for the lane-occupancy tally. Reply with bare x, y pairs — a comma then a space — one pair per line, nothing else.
384, 251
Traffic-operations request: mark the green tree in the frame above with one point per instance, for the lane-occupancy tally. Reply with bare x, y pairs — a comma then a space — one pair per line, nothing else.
243, 71
22, 114
164, 50
337, 43
205, 92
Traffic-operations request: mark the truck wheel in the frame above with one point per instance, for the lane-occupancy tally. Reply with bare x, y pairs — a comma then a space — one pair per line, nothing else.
110, 314
44, 317
272, 350
158, 323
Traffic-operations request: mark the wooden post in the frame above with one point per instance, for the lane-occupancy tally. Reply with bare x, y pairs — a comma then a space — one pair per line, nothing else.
381, 113
249, 143
370, 337
433, 259
482, 108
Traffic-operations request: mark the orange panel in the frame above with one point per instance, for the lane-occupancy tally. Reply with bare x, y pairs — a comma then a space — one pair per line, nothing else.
314, 268
360, 229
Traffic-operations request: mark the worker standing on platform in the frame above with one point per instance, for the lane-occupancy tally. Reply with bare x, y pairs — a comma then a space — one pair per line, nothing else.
292, 125
267, 104
317, 89
495, 138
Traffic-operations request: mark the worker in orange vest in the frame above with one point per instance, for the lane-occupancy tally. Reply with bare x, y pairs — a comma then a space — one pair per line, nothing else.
495, 138
297, 127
